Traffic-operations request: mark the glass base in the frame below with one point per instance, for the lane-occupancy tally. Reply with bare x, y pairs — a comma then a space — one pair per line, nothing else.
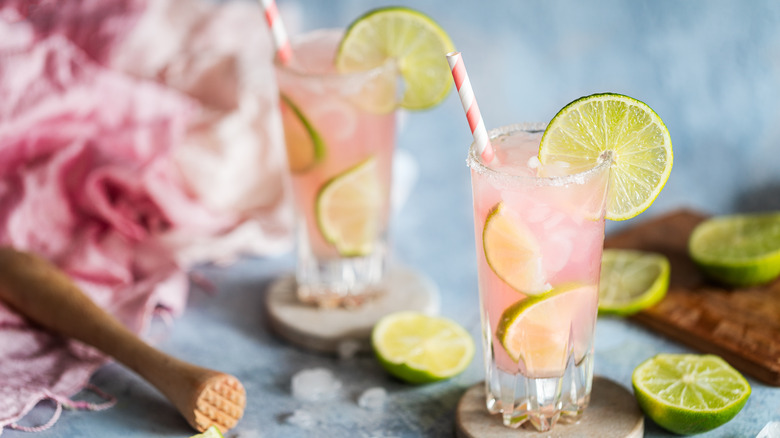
540, 402
345, 282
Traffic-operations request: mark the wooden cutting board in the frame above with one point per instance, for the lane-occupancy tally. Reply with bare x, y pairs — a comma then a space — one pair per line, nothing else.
742, 325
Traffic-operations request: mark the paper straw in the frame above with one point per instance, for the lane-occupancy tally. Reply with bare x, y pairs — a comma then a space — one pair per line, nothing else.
469, 102
278, 32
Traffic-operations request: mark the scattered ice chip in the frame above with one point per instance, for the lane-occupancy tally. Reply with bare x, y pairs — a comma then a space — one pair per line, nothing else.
315, 384
302, 419
533, 162
771, 430
373, 398
348, 349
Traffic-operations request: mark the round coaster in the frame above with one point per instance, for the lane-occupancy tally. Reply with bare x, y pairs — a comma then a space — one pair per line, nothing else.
340, 330
613, 412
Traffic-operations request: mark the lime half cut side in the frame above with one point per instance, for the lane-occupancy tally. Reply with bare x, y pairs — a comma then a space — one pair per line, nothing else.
348, 209
631, 281
418, 348
738, 250
541, 331
305, 146
630, 131
211, 432
413, 40
689, 393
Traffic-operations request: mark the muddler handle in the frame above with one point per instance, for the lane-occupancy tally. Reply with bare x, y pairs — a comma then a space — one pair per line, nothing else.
45, 295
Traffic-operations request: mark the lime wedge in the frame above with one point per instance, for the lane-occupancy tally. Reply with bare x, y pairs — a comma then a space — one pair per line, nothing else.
631, 281
413, 40
512, 252
639, 143
418, 348
689, 393
541, 330
348, 208
738, 250
305, 146
211, 432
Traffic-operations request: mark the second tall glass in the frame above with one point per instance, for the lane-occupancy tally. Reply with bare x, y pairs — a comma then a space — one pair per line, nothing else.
539, 238
340, 135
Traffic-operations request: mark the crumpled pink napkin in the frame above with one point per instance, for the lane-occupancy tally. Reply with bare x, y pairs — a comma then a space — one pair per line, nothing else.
232, 159
124, 161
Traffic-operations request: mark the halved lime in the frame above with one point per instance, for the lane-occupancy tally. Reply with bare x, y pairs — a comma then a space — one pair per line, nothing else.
211, 432
738, 250
348, 209
512, 251
689, 393
540, 331
305, 146
631, 281
416, 43
637, 139
418, 348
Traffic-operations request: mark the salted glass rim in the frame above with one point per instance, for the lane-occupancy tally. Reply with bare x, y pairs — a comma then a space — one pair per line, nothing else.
475, 162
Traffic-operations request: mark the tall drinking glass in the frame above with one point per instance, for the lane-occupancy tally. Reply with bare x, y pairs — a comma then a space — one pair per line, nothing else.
340, 134
539, 239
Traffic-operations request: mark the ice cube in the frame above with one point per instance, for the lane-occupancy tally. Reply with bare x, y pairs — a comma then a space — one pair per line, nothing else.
557, 168
301, 418
348, 349
373, 399
334, 118
315, 384
771, 430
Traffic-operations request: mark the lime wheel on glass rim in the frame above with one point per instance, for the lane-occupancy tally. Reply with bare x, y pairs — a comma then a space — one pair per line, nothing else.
616, 127
414, 41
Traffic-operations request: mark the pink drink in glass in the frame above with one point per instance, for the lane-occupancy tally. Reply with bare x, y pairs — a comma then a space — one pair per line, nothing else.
547, 369
352, 117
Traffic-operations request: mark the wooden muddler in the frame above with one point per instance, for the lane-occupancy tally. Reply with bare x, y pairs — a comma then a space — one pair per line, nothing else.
45, 295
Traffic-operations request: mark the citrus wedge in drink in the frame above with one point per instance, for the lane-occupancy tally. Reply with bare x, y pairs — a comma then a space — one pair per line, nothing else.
512, 252
211, 432
738, 250
305, 146
540, 331
415, 42
616, 127
689, 393
348, 208
631, 281
418, 348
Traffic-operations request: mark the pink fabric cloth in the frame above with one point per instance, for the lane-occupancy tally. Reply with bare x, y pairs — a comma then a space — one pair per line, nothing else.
134, 142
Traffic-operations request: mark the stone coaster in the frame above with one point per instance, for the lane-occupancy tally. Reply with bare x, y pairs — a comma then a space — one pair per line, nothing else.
613, 412
325, 330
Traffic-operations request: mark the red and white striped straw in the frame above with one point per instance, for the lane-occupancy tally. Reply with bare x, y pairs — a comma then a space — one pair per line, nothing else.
278, 32
469, 102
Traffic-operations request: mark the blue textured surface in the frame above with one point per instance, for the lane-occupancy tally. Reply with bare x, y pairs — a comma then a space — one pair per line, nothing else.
711, 70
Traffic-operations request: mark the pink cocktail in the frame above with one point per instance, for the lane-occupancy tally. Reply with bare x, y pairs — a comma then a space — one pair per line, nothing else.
539, 238
340, 136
